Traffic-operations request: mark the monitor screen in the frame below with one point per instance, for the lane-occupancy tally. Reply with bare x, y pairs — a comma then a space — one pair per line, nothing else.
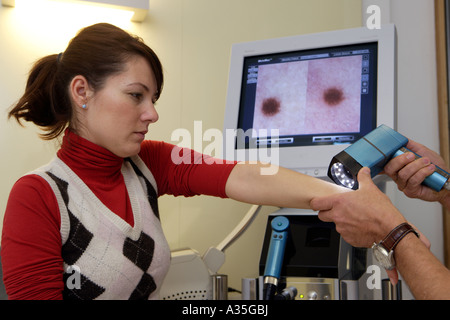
319, 96
315, 249
307, 97
312, 249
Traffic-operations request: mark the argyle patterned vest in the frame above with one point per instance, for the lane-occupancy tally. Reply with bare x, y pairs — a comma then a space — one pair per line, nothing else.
104, 257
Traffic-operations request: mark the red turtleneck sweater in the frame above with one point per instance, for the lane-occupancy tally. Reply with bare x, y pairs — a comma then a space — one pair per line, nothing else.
31, 239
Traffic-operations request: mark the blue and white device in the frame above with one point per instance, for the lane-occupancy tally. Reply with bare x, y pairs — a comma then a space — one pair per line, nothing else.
374, 150
275, 256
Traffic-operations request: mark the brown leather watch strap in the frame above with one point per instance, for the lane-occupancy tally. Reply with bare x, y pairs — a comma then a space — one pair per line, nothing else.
394, 237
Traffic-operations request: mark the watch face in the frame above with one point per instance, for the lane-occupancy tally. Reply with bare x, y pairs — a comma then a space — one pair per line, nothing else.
385, 258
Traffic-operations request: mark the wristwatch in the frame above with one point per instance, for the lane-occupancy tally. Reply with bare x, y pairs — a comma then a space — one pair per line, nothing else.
384, 250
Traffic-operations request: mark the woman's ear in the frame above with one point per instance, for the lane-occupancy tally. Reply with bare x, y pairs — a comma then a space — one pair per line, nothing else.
80, 91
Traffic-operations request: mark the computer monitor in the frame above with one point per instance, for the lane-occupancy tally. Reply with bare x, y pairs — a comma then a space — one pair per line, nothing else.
320, 92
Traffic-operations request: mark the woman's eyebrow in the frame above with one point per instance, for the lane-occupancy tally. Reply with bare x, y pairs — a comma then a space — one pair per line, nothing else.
140, 84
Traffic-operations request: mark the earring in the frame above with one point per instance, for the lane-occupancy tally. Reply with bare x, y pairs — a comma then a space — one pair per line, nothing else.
84, 106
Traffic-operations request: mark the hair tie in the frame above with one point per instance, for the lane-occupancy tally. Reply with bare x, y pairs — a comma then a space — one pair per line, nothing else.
59, 57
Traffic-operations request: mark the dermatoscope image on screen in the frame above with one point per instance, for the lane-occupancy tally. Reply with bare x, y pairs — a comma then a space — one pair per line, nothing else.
309, 97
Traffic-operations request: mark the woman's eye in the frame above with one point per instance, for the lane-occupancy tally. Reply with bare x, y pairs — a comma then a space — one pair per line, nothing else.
137, 96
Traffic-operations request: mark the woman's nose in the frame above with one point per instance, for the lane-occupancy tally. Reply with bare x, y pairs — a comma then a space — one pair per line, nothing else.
150, 114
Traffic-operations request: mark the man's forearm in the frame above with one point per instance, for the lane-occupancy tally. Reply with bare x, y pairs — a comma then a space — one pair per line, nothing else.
424, 274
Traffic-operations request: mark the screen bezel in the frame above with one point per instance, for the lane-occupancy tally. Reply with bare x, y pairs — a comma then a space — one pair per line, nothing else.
367, 108
312, 160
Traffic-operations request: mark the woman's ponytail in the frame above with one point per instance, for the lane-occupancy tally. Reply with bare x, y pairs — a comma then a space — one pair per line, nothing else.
45, 101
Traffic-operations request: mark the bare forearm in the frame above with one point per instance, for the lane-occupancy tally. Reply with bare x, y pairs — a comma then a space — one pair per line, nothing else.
445, 199
422, 271
285, 188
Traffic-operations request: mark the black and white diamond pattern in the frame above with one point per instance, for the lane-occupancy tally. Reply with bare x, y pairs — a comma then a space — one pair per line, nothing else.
140, 252
73, 249
152, 196
144, 288
78, 241
84, 248
88, 290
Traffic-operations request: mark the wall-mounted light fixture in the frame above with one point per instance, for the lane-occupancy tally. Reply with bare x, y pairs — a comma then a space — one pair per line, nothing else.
138, 7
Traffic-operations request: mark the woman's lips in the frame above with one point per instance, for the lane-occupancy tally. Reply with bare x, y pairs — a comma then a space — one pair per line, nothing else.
141, 134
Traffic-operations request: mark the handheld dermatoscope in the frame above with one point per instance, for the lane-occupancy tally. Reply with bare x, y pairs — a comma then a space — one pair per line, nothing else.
374, 150
275, 256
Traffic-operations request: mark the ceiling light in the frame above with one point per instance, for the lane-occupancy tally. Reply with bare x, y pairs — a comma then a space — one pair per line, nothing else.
138, 7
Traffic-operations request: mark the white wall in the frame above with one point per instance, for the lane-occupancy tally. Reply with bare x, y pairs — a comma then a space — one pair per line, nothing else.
193, 39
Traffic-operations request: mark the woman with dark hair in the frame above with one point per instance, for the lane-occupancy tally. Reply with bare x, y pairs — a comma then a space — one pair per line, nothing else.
86, 225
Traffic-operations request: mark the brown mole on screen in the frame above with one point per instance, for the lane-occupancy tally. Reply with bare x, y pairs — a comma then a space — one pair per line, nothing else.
271, 106
333, 96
